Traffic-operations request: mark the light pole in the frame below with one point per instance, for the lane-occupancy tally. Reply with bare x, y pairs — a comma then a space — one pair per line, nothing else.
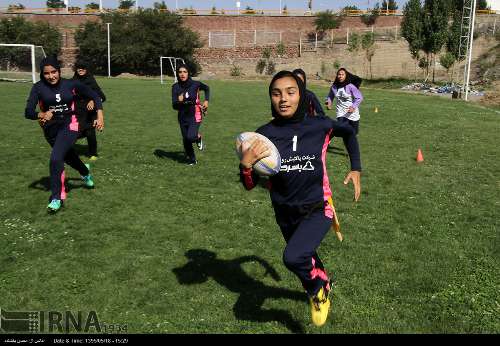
109, 52
280, 6
100, 5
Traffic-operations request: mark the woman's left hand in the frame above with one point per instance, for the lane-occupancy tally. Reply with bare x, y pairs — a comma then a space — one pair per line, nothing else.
355, 177
205, 106
351, 110
90, 105
99, 122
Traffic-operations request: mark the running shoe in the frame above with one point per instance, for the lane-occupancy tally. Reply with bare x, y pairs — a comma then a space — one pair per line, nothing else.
199, 143
320, 305
54, 205
89, 181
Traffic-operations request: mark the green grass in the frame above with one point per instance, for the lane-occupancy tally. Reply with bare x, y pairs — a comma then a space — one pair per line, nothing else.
421, 252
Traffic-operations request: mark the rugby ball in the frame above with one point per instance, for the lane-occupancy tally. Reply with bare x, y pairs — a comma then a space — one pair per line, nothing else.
266, 166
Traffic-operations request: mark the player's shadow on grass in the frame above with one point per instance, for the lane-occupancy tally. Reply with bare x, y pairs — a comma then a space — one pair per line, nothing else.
204, 264
43, 184
336, 151
172, 155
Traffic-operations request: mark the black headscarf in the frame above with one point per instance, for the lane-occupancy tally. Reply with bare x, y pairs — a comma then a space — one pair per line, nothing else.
81, 65
300, 71
49, 61
188, 81
349, 79
300, 113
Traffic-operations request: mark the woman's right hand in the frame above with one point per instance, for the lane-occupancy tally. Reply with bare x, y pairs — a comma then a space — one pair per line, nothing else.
257, 150
43, 117
181, 98
328, 104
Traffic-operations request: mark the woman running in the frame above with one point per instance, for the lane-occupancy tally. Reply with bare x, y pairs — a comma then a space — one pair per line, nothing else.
312, 102
186, 100
300, 192
85, 108
56, 98
346, 89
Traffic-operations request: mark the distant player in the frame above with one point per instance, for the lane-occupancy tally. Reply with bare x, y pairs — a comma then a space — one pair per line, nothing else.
313, 104
56, 99
300, 192
186, 100
345, 89
85, 108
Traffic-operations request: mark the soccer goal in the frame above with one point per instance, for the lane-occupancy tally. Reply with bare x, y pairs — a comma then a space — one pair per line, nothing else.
173, 65
20, 62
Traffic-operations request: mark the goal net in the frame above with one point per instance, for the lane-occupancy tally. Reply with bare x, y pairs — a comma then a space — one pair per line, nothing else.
169, 63
20, 62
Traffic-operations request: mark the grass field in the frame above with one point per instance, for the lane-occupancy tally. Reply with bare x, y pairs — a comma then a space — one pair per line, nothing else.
168, 248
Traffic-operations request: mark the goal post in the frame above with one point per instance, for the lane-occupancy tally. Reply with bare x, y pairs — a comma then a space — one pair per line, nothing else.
173, 65
19, 62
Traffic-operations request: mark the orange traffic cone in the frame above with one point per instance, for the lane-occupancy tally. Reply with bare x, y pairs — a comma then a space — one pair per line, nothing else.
420, 157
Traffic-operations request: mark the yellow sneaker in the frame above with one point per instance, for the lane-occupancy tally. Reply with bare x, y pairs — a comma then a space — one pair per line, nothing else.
320, 305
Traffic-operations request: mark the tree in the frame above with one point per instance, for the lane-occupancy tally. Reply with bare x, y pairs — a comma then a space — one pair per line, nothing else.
370, 19
92, 6
354, 42
412, 28
435, 29
327, 20
447, 60
390, 5
17, 7
368, 45
482, 5
55, 4
161, 6
154, 33
126, 4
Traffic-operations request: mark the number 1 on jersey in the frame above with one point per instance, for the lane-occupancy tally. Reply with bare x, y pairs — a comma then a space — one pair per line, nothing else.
294, 140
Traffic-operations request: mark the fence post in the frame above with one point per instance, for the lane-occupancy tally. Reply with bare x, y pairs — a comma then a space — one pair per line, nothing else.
331, 43
347, 38
300, 45
396, 34
209, 39
316, 42
234, 39
255, 38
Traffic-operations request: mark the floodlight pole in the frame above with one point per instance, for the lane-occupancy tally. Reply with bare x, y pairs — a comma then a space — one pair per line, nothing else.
469, 53
109, 52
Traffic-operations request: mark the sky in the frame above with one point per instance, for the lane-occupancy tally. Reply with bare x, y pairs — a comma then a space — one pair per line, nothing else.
226, 4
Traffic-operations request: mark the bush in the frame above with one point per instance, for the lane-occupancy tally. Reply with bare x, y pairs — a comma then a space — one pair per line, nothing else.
270, 68
153, 33
280, 49
354, 42
261, 65
236, 71
266, 53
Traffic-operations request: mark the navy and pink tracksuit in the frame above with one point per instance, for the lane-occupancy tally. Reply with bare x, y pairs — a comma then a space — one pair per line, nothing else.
62, 131
189, 111
300, 191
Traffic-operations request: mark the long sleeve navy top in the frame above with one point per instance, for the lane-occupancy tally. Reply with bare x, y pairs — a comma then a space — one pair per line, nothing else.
191, 105
60, 99
313, 105
303, 179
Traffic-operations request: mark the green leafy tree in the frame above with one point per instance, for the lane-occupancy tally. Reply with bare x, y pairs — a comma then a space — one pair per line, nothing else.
126, 4
435, 29
354, 42
92, 6
368, 45
19, 30
390, 5
447, 60
327, 20
55, 4
154, 33
412, 28
371, 19
162, 6
482, 5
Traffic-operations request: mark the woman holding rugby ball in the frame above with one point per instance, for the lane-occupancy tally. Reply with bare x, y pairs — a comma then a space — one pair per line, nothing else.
300, 192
